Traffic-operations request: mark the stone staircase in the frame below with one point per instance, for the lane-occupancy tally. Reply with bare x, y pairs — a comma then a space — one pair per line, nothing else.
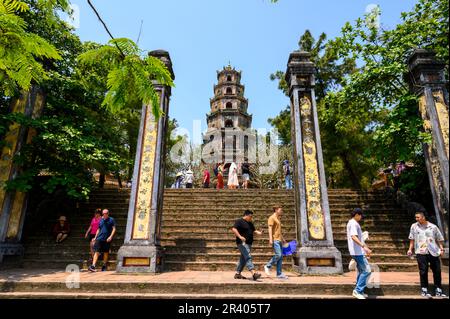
196, 228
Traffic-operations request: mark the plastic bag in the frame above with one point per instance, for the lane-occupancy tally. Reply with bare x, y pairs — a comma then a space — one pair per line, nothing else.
290, 248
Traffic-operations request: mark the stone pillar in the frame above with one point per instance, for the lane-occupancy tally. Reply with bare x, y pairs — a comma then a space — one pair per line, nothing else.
13, 205
427, 81
317, 254
142, 250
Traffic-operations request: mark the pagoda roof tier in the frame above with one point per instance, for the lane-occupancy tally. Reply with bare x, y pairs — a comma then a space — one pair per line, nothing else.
228, 112
228, 96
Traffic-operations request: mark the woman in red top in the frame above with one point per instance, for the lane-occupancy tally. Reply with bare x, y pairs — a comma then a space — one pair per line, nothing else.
93, 227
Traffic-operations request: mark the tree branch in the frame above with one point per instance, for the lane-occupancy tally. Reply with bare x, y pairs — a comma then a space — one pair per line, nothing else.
105, 26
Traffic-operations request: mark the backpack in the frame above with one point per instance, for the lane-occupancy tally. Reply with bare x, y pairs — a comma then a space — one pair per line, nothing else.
216, 171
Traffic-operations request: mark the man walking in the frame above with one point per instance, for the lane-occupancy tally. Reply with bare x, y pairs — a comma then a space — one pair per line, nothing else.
425, 238
358, 250
102, 240
244, 229
276, 240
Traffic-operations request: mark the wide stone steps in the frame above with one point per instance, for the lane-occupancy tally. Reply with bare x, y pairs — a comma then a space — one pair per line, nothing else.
225, 228
288, 236
196, 266
227, 221
207, 246
224, 255
231, 266
196, 228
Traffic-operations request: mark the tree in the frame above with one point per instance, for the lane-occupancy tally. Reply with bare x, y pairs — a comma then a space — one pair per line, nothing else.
379, 86
130, 77
75, 136
22, 51
367, 115
343, 149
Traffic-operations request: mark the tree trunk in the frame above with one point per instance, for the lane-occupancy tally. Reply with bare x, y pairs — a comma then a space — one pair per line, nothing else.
101, 180
351, 172
119, 180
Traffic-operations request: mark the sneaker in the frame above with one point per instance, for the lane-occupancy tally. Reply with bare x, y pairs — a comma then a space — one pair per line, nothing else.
239, 276
104, 268
440, 294
424, 293
357, 295
267, 270
282, 276
256, 276
92, 268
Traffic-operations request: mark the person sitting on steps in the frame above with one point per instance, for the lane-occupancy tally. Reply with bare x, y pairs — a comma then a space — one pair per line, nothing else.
61, 229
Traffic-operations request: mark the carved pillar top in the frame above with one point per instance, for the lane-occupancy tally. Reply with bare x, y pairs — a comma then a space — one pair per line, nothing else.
300, 70
424, 70
164, 56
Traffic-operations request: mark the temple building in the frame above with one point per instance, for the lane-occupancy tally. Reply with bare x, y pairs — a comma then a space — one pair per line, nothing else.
229, 135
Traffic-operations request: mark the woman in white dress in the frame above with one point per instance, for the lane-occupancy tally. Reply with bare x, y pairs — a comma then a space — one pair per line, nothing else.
233, 182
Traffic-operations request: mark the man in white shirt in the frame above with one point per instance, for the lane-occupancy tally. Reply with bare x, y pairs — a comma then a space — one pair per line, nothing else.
427, 241
358, 250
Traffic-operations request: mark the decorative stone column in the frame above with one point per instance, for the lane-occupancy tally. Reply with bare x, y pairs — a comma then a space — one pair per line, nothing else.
142, 250
427, 81
13, 205
317, 254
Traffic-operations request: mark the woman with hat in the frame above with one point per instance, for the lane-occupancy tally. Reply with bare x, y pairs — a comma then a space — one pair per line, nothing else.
178, 180
61, 230
189, 179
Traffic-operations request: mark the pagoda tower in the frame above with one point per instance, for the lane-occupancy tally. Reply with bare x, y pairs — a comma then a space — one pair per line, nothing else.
229, 124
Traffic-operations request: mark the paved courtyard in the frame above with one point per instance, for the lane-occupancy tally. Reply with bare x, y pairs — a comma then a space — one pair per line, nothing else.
204, 277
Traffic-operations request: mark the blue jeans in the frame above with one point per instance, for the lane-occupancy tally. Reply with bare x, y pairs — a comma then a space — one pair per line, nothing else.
364, 272
246, 258
288, 181
277, 258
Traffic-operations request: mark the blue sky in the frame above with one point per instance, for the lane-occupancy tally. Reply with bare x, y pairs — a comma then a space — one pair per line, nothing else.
202, 36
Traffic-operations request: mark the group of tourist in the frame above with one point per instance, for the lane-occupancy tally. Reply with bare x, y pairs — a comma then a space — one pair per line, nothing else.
185, 179
426, 241
244, 231
100, 234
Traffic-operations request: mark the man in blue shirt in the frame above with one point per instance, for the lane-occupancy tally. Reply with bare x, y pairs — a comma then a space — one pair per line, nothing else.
102, 240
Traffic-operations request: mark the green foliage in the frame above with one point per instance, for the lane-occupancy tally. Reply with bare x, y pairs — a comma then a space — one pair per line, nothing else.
130, 77
401, 132
75, 135
21, 51
171, 168
342, 142
367, 116
283, 124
